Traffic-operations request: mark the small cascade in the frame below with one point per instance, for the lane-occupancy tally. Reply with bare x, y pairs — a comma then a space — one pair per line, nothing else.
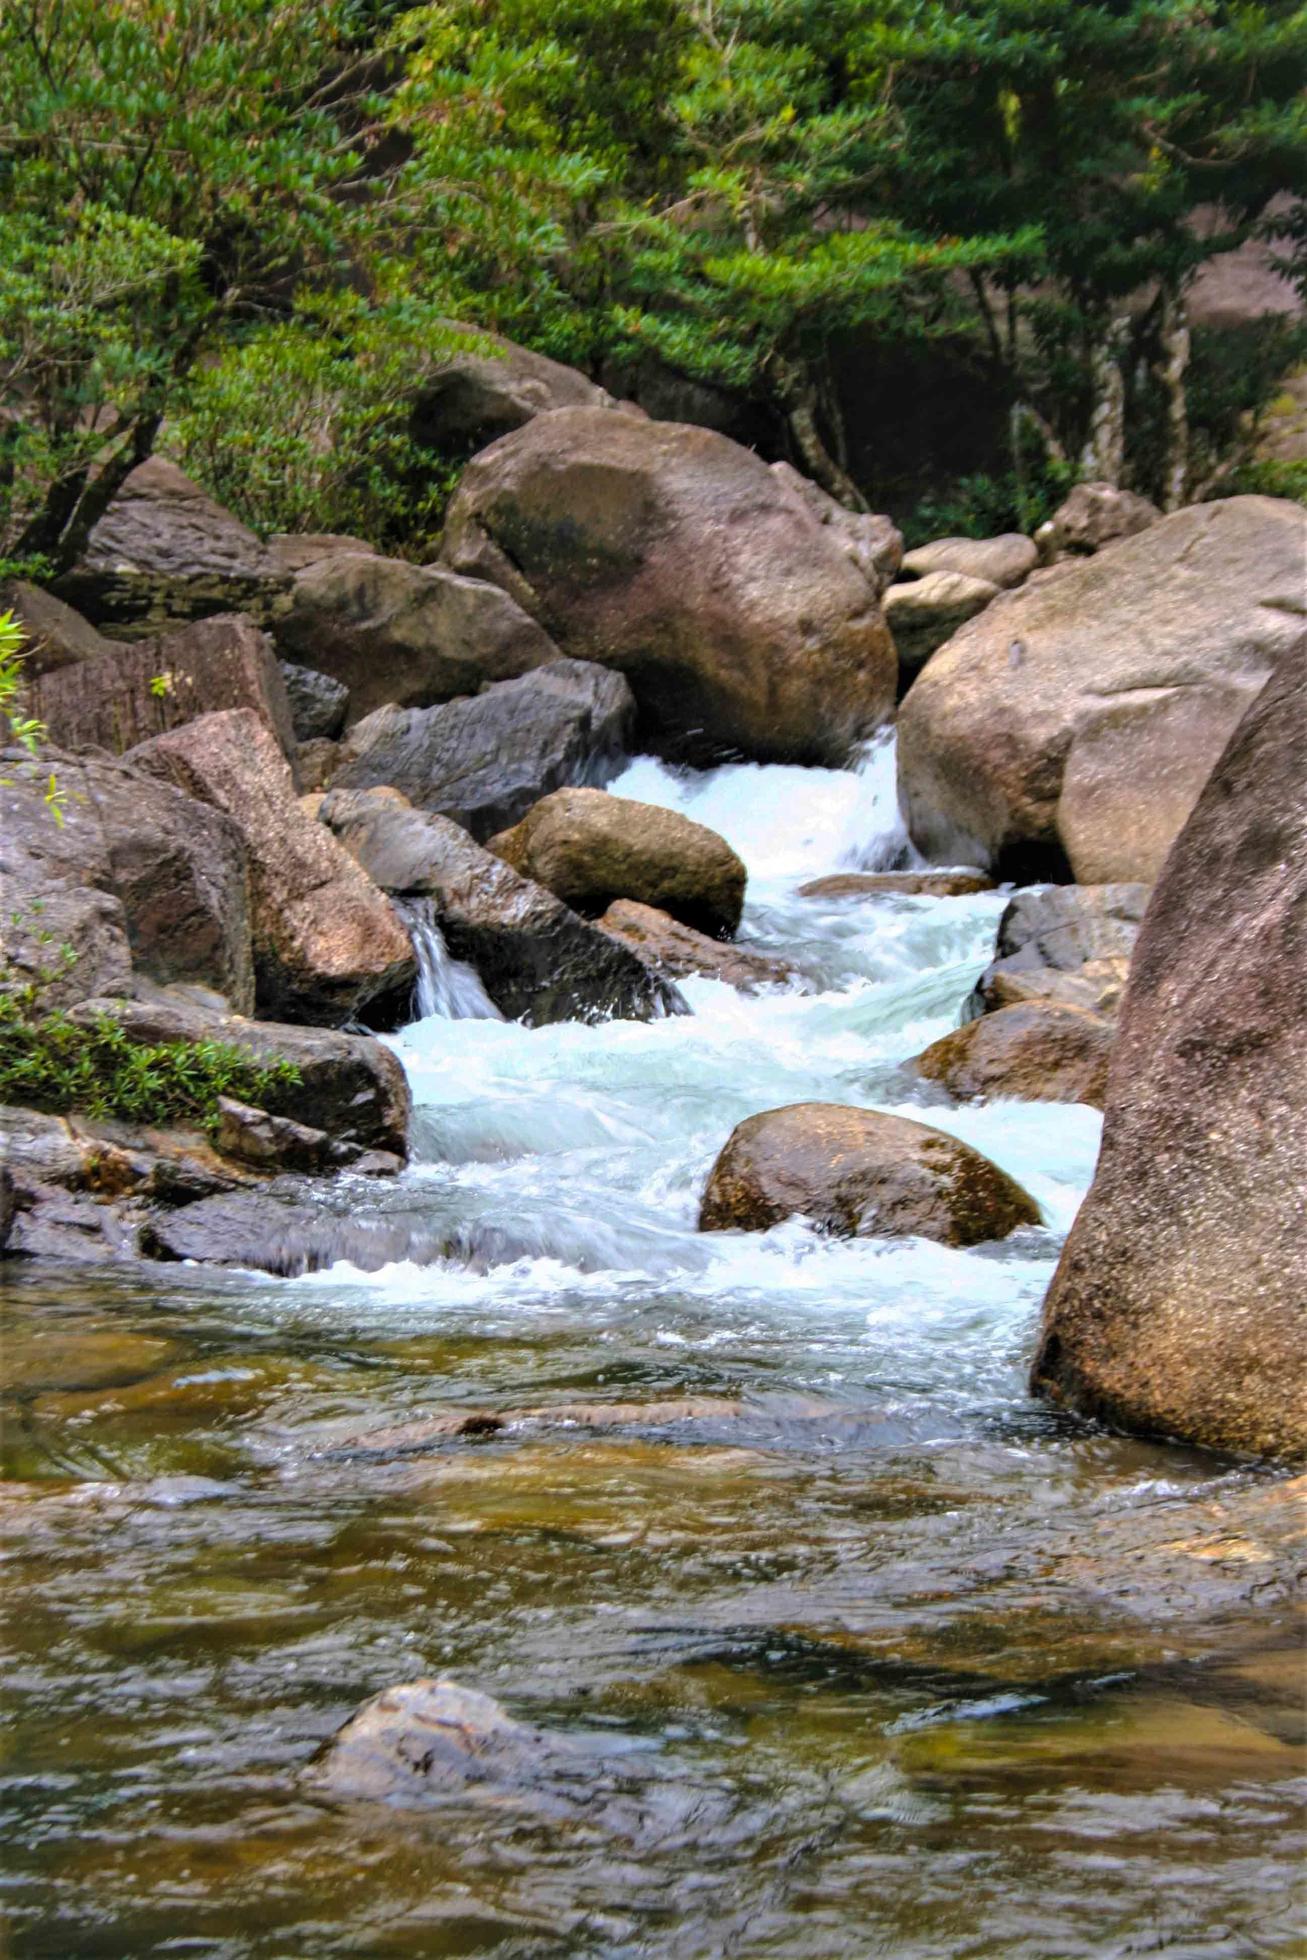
447, 989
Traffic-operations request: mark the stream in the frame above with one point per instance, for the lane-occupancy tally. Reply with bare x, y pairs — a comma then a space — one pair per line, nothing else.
897, 1661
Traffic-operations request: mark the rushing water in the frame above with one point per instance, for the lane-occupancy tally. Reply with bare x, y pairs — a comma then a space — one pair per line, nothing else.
899, 1662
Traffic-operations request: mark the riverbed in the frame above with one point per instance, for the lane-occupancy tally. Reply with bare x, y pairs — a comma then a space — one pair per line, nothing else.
895, 1660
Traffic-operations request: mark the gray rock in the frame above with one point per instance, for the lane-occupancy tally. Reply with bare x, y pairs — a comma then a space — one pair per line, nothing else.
468, 397
271, 1143
484, 761
318, 704
1068, 944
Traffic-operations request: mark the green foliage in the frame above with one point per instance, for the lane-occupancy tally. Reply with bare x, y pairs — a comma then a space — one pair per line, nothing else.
304, 426
1268, 477
49, 1061
982, 506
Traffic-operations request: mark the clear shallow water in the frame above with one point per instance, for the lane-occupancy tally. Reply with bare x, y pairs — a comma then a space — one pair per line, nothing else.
910, 1665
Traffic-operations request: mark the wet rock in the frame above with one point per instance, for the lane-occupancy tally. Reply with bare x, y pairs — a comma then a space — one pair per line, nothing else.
288, 1232
326, 941
317, 702
1063, 943
54, 634
480, 1425
1178, 1307
859, 1173
590, 848
468, 397
927, 611
8, 1207
537, 960
412, 635
677, 950
269, 1142
484, 761
165, 552
676, 557
128, 694
1039, 1051
872, 542
137, 874
903, 884
1117, 683
1094, 515
349, 1085
1006, 560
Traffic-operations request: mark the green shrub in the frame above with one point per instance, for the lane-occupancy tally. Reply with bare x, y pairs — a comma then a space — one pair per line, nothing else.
1270, 476
982, 506
49, 1061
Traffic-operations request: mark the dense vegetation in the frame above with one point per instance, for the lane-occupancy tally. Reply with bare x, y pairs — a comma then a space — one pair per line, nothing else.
242, 227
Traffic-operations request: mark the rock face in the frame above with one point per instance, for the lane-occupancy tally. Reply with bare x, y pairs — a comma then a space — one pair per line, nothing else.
1005, 560
128, 694
137, 875
590, 848
318, 704
681, 560
872, 542
1038, 1051
677, 950
326, 941
859, 1174
897, 884
165, 552
470, 398
1069, 944
408, 634
925, 612
536, 959
1179, 1306
484, 761
1094, 515
1115, 685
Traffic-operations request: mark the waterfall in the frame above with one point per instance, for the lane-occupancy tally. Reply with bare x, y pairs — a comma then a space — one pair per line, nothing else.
447, 989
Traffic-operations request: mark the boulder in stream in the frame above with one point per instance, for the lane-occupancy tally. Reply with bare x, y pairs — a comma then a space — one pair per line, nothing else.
1179, 1306
423, 1740
859, 1173
670, 947
590, 848
1037, 1051
1068, 944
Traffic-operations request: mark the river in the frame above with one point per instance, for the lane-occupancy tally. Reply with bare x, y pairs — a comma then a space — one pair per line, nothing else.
897, 1661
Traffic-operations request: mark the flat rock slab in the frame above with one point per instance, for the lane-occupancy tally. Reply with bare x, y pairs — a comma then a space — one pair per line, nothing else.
898, 884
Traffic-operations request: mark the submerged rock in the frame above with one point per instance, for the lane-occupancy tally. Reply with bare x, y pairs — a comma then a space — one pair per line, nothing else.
590, 848
1074, 723
1179, 1306
537, 959
678, 558
1039, 1051
858, 1173
484, 761
428, 1739
663, 943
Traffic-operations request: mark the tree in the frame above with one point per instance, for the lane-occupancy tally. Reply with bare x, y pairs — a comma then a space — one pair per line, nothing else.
167, 175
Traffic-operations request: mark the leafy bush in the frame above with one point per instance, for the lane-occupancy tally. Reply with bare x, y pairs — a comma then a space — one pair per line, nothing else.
982, 506
49, 1061
1268, 476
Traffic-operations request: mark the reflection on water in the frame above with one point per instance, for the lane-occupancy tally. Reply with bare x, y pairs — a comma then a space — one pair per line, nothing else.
895, 1662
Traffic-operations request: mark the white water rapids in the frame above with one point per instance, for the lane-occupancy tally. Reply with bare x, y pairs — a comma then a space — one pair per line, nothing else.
583, 1150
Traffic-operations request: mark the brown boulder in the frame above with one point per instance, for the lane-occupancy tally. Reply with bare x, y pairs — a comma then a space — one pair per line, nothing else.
872, 542
165, 552
904, 884
1094, 515
292, 552
925, 612
666, 945
1179, 1306
126, 694
1005, 560
326, 941
54, 635
679, 558
1115, 683
859, 1174
590, 848
537, 960
470, 396
1039, 1051
408, 634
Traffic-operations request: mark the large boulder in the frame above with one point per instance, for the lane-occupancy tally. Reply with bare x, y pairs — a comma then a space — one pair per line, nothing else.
871, 541
1179, 1306
125, 694
1036, 1051
537, 960
858, 1173
165, 552
326, 941
1066, 944
681, 560
485, 760
923, 613
589, 848
1115, 685
137, 875
54, 635
470, 396
678, 951
1005, 560
409, 634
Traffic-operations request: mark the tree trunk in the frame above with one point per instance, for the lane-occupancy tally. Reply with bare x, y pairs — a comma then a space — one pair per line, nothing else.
1102, 460
1173, 338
